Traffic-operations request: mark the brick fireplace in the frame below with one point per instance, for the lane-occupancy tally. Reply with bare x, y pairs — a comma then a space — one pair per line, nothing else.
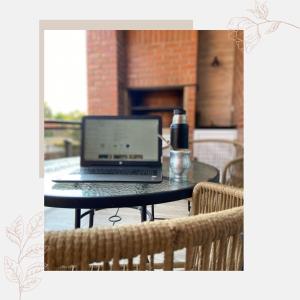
151, 72
155, 102
142, 72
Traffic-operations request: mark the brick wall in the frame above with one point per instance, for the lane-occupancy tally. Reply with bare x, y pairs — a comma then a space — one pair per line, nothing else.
214, 101
161, 58
122, 60
104, 47
121, 72
189, 98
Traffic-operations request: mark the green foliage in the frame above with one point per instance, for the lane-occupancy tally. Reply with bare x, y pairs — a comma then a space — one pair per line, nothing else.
54, 139
74, 115
47, 111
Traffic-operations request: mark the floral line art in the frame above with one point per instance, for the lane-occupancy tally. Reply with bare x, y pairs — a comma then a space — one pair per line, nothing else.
22, 270
255, 27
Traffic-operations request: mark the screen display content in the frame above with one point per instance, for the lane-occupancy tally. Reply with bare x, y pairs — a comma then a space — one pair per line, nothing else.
121, 140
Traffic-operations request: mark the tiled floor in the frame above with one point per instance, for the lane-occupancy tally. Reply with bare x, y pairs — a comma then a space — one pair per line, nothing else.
63, 218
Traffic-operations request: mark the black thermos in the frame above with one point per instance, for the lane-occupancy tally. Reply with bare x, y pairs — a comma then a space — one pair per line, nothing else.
179, 131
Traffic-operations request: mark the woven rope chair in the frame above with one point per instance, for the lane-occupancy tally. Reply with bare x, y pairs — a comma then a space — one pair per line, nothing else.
233, 173
211, 197
212, 241
216, 152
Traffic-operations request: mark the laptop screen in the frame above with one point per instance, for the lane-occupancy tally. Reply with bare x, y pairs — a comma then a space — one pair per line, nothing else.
121, 139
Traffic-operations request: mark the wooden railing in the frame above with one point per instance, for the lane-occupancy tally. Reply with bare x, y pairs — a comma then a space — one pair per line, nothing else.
61, 138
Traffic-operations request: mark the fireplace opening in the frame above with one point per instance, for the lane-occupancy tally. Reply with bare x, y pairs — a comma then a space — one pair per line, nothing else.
160, 102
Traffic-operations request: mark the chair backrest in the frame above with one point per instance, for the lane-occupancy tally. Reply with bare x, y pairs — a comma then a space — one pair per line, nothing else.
209, 197
213, 197
216, 152
211, 242
233, 173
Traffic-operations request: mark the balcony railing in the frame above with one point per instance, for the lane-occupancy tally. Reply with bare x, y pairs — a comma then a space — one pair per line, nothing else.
61, 138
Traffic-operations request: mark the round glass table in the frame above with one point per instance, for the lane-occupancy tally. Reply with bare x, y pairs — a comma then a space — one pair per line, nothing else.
100, 195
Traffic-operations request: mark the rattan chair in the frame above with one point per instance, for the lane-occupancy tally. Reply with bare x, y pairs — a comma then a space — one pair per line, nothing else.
219, 153
216, 152
211, 241
213, 197
233, 173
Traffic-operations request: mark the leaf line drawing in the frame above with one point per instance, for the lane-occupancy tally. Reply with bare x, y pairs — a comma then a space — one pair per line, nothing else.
18, 270
255, 27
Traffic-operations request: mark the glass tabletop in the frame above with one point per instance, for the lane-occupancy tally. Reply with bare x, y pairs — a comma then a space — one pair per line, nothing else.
117, 194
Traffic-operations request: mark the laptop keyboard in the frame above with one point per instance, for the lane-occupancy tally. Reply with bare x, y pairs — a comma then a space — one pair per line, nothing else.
123, 171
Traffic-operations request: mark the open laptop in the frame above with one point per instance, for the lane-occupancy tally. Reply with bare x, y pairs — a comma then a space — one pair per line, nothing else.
120, 149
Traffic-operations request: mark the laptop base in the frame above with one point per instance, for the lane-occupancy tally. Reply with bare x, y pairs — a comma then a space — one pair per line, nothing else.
108, 178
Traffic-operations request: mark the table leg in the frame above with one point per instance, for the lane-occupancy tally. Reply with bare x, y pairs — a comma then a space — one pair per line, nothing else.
152, 212
189, 205
144, 213
91, 218
77, 217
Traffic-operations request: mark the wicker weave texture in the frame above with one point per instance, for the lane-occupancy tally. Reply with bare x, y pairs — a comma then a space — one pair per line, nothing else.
217, 152
233, 173
212, 197
212, 241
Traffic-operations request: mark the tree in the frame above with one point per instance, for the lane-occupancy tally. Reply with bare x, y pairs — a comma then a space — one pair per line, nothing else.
47, 111
74, 115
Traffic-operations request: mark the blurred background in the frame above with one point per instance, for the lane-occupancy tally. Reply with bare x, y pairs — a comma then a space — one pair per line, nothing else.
142, 72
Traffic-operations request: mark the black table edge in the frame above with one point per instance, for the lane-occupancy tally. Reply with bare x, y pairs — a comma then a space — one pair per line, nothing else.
121, 201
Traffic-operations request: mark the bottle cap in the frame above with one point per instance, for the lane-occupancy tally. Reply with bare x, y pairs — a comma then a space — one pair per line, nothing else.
179, 111
179, 116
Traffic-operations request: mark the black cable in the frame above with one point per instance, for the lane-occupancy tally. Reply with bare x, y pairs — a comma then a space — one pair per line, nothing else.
115, 218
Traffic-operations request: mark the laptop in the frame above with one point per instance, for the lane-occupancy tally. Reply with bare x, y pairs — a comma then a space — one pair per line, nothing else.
119, 149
